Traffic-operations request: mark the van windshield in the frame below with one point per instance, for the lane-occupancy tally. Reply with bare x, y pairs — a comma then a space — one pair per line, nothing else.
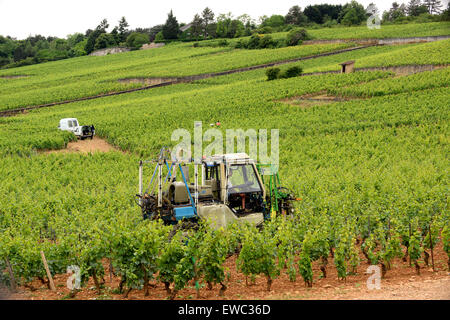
242, 178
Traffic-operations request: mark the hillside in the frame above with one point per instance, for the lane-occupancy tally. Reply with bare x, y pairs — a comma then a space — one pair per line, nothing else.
370, 164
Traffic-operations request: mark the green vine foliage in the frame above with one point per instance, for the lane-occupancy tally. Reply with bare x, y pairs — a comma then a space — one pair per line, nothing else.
446, 241
172, 252
304, 263
213, 251
259, 255
187, 269
340, 262
415, 249
135, 252
354, 259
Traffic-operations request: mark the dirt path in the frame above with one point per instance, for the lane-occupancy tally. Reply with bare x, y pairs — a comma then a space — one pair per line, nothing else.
436, 287
84, 146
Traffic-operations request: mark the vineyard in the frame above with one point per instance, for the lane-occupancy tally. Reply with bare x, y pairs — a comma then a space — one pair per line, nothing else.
371, 169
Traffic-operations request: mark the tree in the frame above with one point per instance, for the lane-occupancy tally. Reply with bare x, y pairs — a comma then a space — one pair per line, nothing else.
248, 22
103, 25
416, 8
136, 40
196, 26
352, 13
211, 30
434, 6
275, 21
122, 29
90, 43
321, 13
159, 36
313, 14
78, 49
59, 44
171, 28
295, 16
351, 18
207, 17
153, 31
7, 47
245, 19
395, 12
446, 13
237, 29
104, 40
224, 25
261, 19
19, 53
74, 39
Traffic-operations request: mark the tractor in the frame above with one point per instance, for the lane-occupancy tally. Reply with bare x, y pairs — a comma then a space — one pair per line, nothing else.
232, 189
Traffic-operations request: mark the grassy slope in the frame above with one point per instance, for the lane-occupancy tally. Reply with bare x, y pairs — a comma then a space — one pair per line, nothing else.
362, 32
85, 76
63, 80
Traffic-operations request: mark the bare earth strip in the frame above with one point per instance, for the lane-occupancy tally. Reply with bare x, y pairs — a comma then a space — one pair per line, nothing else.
85, 146
412, 289
400, 283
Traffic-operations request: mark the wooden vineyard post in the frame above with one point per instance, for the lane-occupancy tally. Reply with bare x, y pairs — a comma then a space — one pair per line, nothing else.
49, 275
431, 247
409, 256
110, 272
11, 276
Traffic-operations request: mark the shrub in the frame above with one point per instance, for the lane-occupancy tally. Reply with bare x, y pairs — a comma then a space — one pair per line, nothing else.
264, 30
266, 42
240, 44
253, 42
272, 73
159, 37
223, 43
288, 27
296, 36
259, 41
291, 72
330, 23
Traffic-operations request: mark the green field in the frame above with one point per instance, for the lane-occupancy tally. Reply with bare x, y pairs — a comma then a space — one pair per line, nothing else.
88, 76
373, 167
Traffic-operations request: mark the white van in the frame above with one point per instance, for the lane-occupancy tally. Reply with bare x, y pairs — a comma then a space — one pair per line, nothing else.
72, 125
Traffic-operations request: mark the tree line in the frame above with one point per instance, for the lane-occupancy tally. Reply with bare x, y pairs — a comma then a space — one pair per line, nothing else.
206, 25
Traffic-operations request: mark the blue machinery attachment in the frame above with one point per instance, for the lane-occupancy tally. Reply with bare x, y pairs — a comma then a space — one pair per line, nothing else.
181, 211
189, 211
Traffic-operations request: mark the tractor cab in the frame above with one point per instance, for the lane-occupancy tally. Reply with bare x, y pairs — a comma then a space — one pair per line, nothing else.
234, 180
